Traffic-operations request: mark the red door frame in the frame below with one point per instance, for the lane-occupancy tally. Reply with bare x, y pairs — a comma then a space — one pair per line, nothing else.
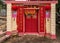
41, 30
31, 24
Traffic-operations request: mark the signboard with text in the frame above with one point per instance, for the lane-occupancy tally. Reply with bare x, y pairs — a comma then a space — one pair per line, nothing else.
20, 0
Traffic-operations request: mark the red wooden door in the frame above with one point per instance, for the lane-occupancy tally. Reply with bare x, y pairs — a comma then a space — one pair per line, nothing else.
27, 23
31, 23
34, 23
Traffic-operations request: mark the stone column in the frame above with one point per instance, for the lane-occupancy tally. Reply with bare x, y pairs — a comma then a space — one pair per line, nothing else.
53, 21
9, 14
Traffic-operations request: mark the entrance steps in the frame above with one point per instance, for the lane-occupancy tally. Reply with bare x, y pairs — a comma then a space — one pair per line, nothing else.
3, 36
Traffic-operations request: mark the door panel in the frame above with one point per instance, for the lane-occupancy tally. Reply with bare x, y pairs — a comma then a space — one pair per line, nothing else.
28, 24
34, 23
31, 23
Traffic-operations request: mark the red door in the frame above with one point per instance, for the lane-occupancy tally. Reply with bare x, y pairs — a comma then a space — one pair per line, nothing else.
34, 23
31, 23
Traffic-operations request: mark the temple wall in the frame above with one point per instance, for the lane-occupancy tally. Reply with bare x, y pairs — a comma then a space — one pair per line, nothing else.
14, 25
53, 21
9, 23
48, 26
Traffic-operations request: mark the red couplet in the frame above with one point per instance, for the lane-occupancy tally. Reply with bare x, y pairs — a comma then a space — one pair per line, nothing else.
19, 19
42, 19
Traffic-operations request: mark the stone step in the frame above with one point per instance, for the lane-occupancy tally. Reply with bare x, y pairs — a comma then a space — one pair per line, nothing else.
4, 38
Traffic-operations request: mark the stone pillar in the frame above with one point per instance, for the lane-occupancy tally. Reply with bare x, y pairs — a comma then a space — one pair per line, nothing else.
9, 29
53, 21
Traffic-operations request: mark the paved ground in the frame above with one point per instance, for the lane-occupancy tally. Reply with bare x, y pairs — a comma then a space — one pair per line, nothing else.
30, 39
33, 39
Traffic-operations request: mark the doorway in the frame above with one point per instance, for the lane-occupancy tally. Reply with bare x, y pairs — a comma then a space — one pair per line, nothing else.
31, 21
30, 18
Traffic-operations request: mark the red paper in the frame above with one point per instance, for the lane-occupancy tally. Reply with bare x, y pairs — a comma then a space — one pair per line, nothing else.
20, 13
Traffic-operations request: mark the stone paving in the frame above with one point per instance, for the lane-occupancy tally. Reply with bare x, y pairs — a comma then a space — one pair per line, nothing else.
30, 39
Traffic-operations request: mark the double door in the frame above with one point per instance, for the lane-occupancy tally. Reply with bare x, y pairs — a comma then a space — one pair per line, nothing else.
31, 23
